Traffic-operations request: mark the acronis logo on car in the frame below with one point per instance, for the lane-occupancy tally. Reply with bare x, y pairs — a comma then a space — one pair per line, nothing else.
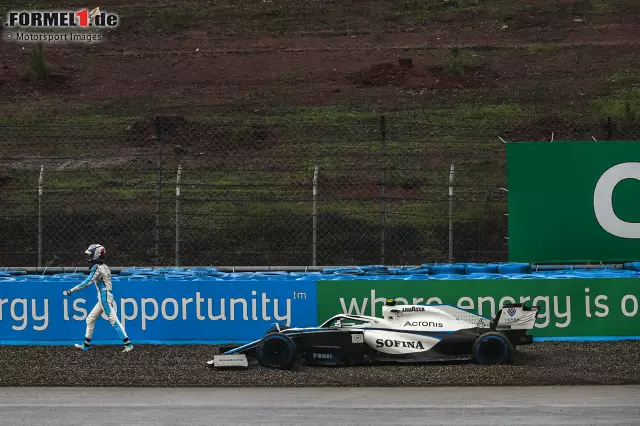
398, 344
423, 324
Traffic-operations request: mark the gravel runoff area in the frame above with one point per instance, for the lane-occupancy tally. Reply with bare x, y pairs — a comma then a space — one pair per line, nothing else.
543, 363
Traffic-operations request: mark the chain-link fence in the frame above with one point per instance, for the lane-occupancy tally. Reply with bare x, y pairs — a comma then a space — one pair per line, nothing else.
230, 191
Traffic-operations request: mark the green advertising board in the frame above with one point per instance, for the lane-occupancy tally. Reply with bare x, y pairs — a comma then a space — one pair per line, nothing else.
574, 201
598, 307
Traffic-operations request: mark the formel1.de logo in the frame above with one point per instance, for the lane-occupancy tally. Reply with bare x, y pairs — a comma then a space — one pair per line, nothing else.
83, 18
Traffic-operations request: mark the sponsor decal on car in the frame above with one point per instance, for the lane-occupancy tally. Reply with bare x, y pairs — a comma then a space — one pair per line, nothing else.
398, 344
413, 309
423, 324
483, 324
357, 338
513, 316
322, 356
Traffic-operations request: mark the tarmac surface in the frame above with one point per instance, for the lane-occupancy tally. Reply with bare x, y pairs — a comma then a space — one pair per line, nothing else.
327, 406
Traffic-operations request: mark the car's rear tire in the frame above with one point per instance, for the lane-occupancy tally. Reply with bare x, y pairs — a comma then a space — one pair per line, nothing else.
276, 350
492, 348
274, 329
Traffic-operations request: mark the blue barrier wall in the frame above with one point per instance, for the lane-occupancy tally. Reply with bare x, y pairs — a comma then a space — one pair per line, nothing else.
177, 305
156, 311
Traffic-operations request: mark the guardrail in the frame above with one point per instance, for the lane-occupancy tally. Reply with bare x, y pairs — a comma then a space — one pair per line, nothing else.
298, 268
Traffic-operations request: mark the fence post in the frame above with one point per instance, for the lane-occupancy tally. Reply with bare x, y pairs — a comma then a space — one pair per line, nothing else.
383, 189
40, 182
178, 215
158, 189
451, 214
609, 128
314, 243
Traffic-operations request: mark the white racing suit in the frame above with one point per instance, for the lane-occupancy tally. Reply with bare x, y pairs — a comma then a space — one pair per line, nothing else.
100, 276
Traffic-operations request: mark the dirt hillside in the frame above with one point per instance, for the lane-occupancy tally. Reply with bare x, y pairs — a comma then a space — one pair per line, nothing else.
178, 56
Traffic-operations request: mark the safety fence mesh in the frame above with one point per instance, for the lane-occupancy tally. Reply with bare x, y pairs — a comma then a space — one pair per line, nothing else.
174, 190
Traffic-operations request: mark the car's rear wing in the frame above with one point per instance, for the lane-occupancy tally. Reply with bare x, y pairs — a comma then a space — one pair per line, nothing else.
515, 316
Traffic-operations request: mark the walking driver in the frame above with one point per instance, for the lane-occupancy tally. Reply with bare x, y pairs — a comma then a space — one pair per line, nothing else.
100, 276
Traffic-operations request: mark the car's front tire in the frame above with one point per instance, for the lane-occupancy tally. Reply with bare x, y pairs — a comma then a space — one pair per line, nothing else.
276, 350
492, 348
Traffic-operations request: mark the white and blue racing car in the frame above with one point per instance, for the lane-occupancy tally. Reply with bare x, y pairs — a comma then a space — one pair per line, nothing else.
404, 334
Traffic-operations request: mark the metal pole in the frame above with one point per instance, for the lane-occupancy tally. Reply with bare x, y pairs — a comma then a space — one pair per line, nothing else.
40, 182
451, 215
178, 215
158, 190
383, 189
315, 213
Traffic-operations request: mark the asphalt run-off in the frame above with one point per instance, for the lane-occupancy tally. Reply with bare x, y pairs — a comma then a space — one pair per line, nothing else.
280, 406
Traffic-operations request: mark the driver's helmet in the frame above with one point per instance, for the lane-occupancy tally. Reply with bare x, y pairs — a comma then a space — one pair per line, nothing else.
390, 302
95, 253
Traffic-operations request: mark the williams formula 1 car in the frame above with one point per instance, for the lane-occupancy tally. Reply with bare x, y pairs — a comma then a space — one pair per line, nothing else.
404, 334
